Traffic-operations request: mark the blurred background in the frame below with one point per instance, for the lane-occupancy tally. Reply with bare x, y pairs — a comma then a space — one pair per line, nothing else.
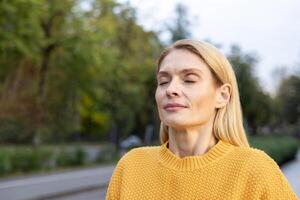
77, 84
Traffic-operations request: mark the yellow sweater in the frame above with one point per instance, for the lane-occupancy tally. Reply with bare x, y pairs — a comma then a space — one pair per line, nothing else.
224, 172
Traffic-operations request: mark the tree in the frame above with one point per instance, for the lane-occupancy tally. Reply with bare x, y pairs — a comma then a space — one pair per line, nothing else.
69, 72
180, 28
289, 98
257, 105
123, 78
20, 41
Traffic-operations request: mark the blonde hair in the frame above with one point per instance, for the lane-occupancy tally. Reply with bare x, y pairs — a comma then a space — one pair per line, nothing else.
228, 124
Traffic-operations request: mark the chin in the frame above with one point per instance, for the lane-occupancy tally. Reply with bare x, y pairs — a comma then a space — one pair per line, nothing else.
175, 123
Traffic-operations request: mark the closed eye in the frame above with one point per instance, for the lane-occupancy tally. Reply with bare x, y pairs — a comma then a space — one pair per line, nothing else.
188, 81
162, 83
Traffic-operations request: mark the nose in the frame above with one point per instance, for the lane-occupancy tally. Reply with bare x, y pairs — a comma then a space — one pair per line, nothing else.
173, 89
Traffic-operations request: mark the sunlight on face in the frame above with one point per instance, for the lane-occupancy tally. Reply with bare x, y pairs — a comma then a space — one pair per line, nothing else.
185, 79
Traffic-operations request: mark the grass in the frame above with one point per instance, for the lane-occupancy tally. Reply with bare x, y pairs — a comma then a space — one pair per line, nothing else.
281, 148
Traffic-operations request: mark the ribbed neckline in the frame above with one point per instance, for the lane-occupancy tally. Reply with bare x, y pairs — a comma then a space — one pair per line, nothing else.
170, 160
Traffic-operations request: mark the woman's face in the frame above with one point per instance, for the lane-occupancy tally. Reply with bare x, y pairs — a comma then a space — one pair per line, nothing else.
185, 79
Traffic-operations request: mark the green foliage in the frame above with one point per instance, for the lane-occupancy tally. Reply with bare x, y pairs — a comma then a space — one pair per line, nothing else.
71, 158
26, 159
108, 154
63, 159
258, 107
5, 164
20, 35
23, 159
289, 99
12, 131
180, 29
281, 149
69, 71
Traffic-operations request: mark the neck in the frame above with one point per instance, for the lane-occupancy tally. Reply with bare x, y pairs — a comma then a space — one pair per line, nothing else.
192, 141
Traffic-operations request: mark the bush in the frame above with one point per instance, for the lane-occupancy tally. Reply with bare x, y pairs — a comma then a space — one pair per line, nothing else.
63, 158
108, 154
23, 159
281, 149
79, 156
30, 159
71, 157
5, 163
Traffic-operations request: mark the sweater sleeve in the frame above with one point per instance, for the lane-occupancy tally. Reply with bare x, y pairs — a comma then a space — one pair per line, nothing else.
272, 184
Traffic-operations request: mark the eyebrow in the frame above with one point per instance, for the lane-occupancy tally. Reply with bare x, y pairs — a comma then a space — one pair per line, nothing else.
160, 73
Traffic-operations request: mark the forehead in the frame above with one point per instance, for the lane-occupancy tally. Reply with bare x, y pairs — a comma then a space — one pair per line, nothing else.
181, 60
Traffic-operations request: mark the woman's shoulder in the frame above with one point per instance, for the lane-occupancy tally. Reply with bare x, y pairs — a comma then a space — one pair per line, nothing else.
261, 171
256, 160
252, 153
137, 154
142, 151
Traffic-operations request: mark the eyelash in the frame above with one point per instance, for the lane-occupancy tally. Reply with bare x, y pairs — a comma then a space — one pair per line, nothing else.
190, 82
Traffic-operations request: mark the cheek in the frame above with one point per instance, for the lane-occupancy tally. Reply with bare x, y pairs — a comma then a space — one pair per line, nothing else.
158, 99
158, 96
204, 101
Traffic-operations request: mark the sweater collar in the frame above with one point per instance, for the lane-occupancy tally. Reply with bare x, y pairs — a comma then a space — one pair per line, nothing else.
170, 160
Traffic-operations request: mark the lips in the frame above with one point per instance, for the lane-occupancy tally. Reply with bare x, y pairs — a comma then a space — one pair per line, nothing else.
174, 105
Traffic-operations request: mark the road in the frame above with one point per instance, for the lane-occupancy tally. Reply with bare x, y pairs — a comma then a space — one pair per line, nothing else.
42, 187
291, 171
96, 194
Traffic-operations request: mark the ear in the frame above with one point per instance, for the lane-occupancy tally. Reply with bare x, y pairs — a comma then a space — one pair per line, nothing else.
223, 95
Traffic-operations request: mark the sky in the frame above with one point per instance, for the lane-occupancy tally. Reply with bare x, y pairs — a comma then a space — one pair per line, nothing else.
268, 28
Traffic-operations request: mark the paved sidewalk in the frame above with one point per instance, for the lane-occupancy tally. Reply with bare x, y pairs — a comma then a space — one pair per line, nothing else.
292, 173
55, 185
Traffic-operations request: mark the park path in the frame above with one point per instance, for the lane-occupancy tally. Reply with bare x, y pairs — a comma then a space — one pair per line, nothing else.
291, 171
55, 185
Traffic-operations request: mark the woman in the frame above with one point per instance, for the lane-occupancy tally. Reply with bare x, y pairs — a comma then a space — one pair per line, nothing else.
204, 152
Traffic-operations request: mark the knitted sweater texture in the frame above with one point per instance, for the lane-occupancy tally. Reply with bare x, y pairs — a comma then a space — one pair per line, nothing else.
224, 172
